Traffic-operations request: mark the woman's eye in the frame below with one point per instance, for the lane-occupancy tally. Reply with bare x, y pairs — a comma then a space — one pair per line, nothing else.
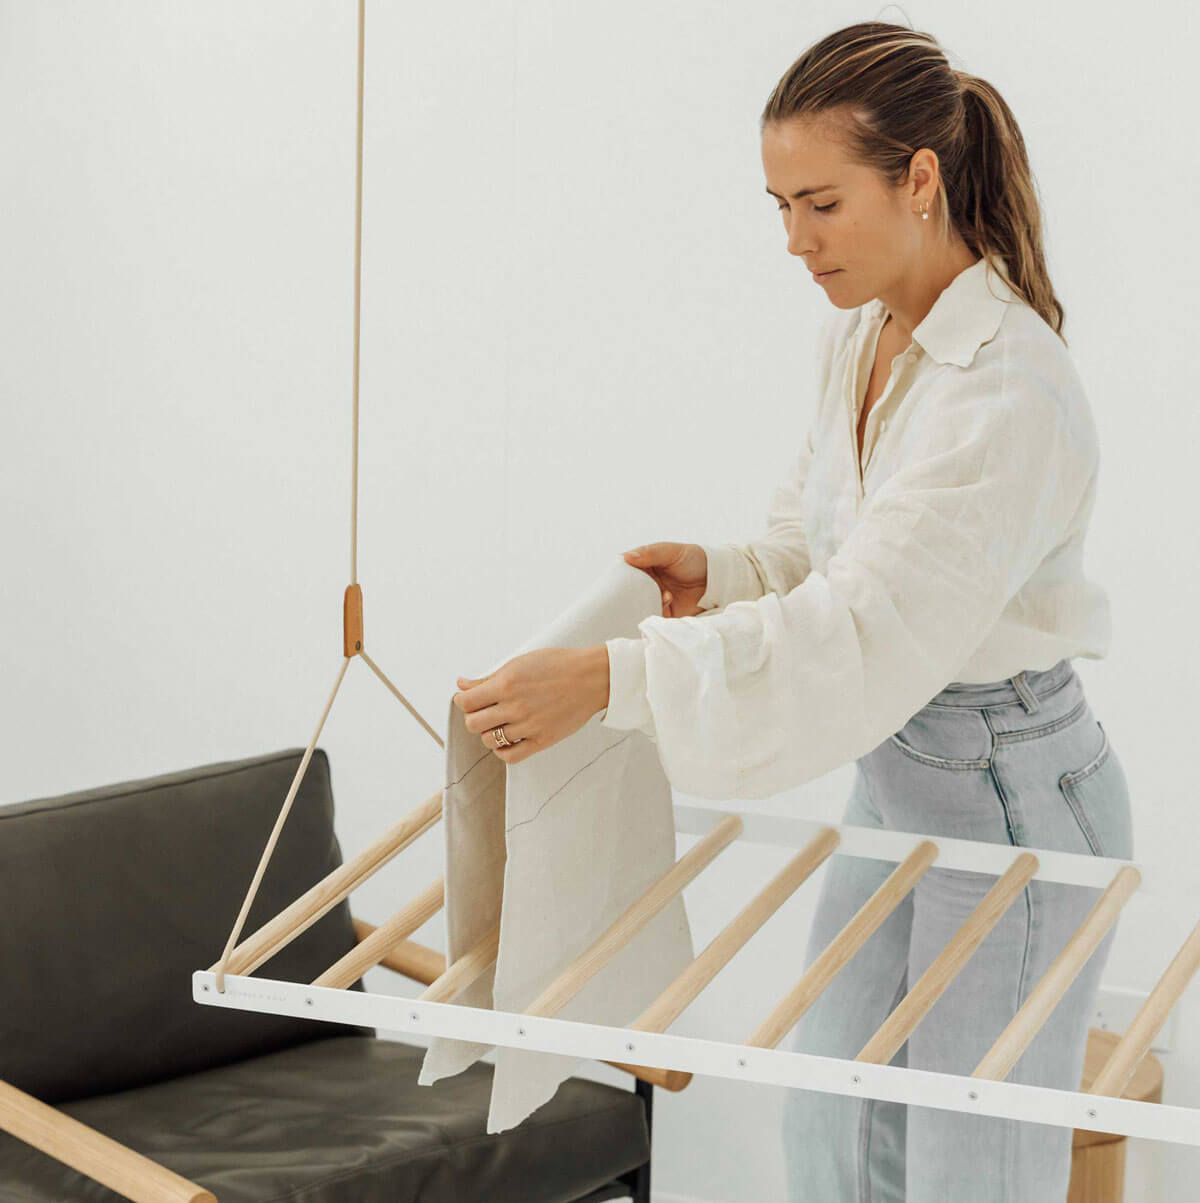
818, 208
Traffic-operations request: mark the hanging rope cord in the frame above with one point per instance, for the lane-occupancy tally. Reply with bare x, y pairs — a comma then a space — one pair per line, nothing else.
358, 649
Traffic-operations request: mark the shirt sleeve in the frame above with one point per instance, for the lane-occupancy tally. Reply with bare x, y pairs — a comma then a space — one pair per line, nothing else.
769, 694
778, 561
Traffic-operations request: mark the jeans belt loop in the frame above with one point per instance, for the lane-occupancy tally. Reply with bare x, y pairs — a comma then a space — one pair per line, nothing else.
1028, 698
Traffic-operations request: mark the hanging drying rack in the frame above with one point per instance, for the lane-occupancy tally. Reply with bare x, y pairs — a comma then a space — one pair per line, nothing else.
645, 1048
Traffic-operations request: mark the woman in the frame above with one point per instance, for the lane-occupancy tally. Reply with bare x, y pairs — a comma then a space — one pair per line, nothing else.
914, 606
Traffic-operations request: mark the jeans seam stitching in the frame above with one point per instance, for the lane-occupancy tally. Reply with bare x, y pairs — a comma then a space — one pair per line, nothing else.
1067, 783
1010, 1129
1010, 1153
866, 784
995, 779
868, 1110
1084, 823
937, 762
1041, 697
1065, 720
1093, 765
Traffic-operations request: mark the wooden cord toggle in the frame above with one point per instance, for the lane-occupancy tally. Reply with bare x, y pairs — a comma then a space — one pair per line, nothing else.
352, 621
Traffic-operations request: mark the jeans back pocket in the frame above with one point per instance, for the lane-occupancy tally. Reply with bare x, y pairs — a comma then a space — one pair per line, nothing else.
1098, 795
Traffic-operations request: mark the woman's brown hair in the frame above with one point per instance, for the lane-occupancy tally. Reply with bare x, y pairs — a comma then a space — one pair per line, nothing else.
885, 91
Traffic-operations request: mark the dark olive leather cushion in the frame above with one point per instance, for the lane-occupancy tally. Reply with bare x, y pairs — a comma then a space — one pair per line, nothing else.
111, 898
344, 1121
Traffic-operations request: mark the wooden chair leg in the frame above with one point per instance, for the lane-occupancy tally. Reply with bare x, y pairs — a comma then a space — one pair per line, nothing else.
1098, 1173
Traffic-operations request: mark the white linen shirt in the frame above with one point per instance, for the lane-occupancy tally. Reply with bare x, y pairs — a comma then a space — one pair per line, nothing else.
954, 554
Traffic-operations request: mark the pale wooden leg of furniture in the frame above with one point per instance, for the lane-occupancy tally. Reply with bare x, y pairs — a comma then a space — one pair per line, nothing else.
1098, 1173
92, 1153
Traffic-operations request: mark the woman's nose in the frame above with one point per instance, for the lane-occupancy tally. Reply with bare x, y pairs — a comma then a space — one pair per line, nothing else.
798, 241
800, 246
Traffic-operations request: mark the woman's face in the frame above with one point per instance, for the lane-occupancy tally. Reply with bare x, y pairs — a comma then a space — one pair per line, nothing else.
850, 220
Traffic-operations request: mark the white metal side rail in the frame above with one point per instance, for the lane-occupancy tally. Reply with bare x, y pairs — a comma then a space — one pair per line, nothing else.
647, 1049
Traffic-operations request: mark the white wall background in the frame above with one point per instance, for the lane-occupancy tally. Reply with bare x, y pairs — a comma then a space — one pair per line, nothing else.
581, 332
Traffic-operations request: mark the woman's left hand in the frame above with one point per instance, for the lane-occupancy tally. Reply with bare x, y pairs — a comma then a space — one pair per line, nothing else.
538, 698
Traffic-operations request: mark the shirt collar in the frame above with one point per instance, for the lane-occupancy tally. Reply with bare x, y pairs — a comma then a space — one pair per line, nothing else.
966, 315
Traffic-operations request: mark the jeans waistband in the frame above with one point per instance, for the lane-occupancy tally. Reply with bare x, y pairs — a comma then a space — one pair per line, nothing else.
1026, 688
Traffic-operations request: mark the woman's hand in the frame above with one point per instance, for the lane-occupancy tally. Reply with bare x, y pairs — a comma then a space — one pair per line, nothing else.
681, 570
539, 698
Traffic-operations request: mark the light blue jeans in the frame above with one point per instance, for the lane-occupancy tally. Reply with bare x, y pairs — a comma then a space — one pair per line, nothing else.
1019, 762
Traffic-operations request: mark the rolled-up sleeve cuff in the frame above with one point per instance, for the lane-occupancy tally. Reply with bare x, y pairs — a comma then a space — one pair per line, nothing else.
628, 707
731, 577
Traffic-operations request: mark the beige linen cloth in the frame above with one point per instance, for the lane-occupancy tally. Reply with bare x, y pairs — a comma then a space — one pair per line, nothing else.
558, 846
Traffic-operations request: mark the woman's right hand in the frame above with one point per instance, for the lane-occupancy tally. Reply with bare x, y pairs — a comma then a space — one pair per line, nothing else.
681, 570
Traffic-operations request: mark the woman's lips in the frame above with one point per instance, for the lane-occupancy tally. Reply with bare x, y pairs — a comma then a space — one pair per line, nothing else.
821, 277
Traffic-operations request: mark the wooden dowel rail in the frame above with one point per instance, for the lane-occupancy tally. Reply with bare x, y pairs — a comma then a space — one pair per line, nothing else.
116, 1166
367, 954
424, 965
637, 915
669, 1005
931, 985
1122, 1063
843, 946
327, 893
675, 999
474, 963
467, 969
1028, 1021
413, 960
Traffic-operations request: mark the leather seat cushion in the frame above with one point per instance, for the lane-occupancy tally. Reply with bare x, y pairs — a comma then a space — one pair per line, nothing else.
343, 1120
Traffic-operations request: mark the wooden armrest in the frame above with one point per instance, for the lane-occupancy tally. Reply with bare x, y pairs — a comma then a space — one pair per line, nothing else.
92, 1153
424, 965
